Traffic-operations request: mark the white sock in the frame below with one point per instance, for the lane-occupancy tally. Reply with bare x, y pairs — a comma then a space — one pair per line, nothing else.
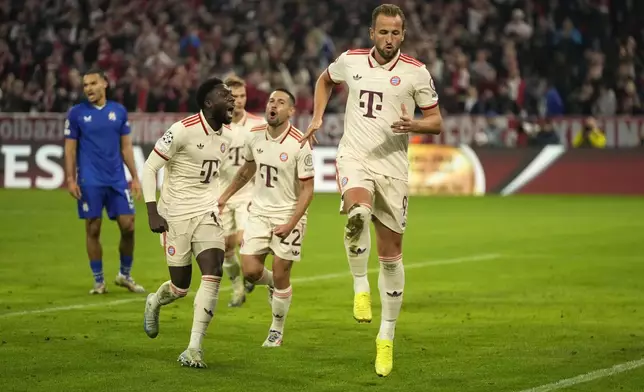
204, 308
266, 279
358, 251
232, 269
391, 283
281, 304
168, 293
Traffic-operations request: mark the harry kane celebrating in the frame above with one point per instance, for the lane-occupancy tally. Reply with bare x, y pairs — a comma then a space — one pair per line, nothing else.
281, 196
372, 161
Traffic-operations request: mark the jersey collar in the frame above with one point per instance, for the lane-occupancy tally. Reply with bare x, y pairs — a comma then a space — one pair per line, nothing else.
280, 139
206, 127
389, 66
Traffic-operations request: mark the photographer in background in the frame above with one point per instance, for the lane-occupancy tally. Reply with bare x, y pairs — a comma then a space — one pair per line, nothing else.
590, 136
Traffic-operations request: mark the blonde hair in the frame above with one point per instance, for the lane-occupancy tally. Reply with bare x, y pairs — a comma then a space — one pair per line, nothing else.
235, 81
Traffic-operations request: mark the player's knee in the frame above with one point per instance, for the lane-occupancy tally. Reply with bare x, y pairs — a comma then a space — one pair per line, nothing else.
361, 211
230, 245
252, 270
127, 228
93, 228
390, 248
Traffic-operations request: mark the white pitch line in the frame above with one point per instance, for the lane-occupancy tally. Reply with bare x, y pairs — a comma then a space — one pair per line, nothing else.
455, 260
594, 375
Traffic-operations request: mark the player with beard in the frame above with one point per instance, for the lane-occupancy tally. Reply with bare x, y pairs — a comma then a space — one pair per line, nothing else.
192, 152
372, 164
235, 214
97, 143
282, 193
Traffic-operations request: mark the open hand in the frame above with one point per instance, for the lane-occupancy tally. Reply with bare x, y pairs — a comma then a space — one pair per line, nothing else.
309, 136
405, 124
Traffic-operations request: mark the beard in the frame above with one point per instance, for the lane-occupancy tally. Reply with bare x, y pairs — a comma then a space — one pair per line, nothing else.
385, 55
276, 122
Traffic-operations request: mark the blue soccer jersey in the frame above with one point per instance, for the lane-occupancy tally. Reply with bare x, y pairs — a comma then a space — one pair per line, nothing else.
101, 173
98, 132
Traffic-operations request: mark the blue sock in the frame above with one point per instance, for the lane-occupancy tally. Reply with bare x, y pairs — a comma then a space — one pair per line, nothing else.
97, 270
126, 265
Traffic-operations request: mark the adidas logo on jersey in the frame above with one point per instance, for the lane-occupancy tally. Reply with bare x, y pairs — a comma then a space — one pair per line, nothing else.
357, 77
200, 146
259, 151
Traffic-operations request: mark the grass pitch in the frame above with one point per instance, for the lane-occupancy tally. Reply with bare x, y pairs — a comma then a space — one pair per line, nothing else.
502, 294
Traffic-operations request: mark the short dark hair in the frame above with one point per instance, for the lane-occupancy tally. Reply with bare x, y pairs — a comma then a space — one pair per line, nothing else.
96, 71
387, 10
290, 95
204, 89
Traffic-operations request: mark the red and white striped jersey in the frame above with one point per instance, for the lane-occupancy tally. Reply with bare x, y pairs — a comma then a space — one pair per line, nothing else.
376, 95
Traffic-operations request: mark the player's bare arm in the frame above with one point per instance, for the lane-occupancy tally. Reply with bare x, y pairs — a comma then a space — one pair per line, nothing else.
303, 202
70, 167
244, 174
150, 169
128, 157
432, 122
323, 89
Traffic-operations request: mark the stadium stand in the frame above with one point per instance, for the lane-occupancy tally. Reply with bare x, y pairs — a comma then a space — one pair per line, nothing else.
541, 58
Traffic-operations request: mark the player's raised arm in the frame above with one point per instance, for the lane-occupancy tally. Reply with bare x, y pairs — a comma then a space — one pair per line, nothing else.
128, 157
72, 132
334, 74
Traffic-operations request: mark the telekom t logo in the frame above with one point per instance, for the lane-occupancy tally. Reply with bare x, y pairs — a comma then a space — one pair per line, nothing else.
372, 104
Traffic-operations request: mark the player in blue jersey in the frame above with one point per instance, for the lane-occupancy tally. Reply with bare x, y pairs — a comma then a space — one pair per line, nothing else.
97, 143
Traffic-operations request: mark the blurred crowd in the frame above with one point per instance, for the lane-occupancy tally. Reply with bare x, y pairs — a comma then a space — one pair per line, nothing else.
488, 57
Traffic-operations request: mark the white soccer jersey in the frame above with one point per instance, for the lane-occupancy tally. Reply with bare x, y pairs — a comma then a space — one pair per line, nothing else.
281, 164
194, 153
376, 93
240, 133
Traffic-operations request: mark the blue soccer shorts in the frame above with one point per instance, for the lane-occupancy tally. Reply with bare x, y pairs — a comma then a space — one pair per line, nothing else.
116, 200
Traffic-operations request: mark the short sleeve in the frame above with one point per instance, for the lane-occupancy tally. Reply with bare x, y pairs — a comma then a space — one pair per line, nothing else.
72, 130
425, 94
305, 170
125, 128
337, 69
170, 143
247, 152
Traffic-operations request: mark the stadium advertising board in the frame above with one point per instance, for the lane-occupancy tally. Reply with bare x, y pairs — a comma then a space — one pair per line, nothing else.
31, 156
621, 131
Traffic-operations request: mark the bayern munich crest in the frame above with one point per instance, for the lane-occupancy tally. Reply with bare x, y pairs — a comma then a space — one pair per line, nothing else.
395, 80
171, 250
344, 181
283, 157
223, 147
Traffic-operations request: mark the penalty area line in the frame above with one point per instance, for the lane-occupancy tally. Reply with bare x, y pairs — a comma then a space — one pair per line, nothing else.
316, 278
583, 378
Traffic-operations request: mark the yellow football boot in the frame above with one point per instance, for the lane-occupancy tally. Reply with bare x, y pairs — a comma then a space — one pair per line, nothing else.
362, 307
384, 357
